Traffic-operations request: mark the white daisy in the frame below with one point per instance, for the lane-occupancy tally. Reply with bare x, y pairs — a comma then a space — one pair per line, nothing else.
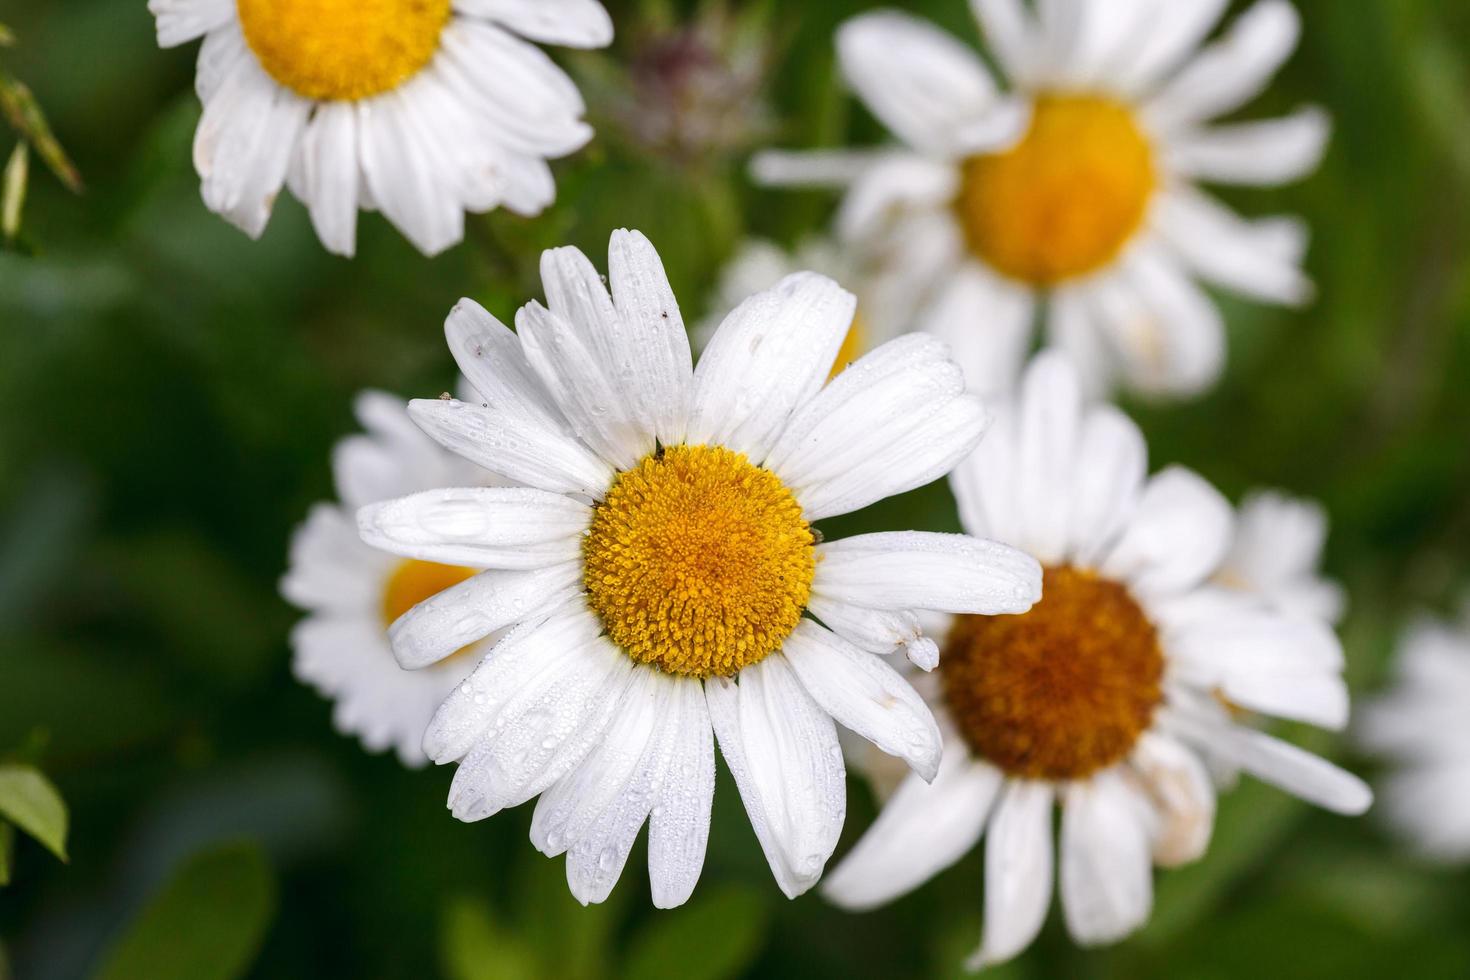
1075, 192
1105, 698
1276, 554
660, 572
354, 592
1422, 727
421, 109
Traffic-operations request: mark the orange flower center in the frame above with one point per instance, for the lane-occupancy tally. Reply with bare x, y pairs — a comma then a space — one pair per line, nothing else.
1064, 201
1059, 692
413, 581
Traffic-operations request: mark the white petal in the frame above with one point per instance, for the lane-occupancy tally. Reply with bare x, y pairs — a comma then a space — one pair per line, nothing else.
1279, 763
516, 449
489, 354
1223, 249
595, 859
330, 174
1276, 151
546, 726
1177, 537
570, 23
447, 622
1010, 33
1182, 794
922, 830
513, 663
1112, 464
1074, 327
1018, 871
1048, 421
1106, 878
678, 826
880, 631
1172, 32
782, 750
769, 357
921, 570
1170, 335
406, 180
882, 400
576, 375
811, 168
984, 483
483, 527
913, 460
1232, 71
926, 87
330, 567
655, 367
595, 813
221, 54
865, 695
889, 184
988, 324
181, 21
244, 146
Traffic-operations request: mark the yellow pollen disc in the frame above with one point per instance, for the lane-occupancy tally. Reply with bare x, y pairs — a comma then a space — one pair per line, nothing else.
413, 581
852, 345
342, 50
699, 562
1065, 200
1059, 692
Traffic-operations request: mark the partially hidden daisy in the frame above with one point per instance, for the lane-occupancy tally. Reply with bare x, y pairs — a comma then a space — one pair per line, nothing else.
1421, 728
420, 109
1276, 554
1109, 697
659, 570
1072, 197
353, 593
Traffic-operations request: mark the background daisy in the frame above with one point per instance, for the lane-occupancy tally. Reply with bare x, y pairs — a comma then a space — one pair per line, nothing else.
1421, 727
657, 568
1072, 196
1106, 698
421, 109
354, 593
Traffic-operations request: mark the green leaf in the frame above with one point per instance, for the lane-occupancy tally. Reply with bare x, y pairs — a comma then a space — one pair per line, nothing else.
712, 938
28, 800
7, 847
473, 946
207, 923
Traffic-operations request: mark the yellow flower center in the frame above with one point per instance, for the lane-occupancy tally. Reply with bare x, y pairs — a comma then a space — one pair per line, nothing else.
699, 562
1059, 692
413, 581
342, 50
1065, 200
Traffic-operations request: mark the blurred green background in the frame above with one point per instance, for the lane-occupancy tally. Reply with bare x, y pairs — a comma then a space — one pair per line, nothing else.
169, 393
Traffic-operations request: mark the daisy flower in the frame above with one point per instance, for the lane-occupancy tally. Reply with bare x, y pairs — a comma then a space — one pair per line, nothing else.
1276, 553
421, 109
353, 592
1072, 197
1421, 726
659, 572
1108, 697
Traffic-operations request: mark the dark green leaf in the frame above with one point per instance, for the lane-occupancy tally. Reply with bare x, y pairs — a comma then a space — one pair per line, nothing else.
473, 946
713, 937
28, 800
207, 923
